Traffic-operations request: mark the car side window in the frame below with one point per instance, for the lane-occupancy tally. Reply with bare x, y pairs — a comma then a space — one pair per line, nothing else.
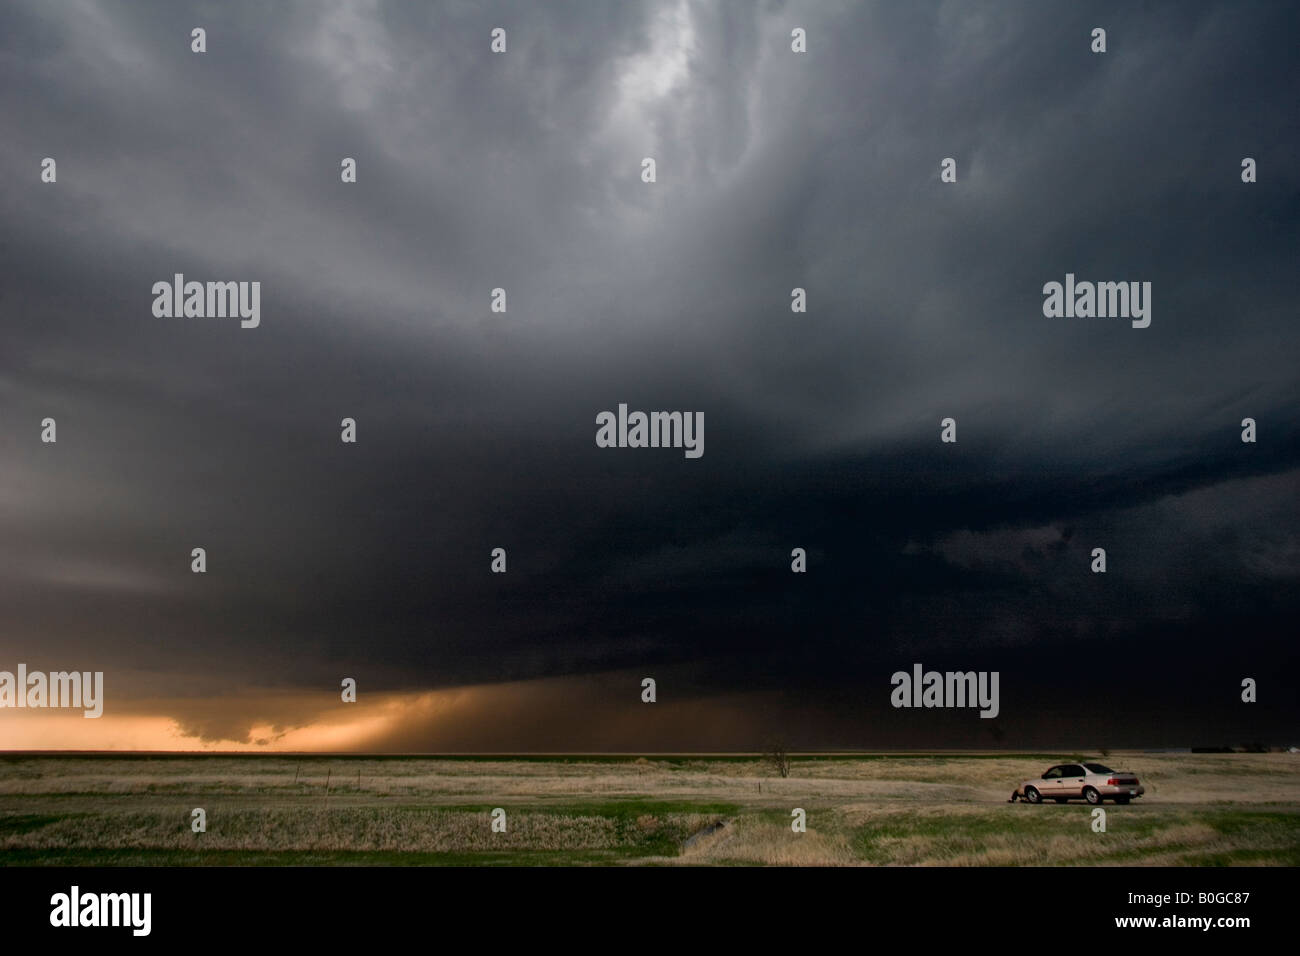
1052, 774
1073, 770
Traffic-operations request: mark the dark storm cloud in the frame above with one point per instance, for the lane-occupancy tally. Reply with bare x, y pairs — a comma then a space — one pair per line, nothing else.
477, 430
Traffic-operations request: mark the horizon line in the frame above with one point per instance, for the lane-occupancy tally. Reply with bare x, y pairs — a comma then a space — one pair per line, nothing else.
539, 754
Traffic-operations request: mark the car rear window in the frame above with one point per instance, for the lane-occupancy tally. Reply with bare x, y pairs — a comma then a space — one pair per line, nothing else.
1098, 768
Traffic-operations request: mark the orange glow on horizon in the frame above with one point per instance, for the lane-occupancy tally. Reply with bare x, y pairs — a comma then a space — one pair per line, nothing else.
348, 727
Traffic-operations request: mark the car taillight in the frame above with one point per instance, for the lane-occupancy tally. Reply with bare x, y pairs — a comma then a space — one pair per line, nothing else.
1112, 782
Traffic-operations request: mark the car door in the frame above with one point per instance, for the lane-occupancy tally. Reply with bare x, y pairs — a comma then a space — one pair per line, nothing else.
1072, 779
1050, 785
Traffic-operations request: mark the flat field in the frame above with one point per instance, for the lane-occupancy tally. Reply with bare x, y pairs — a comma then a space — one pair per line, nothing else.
862, 809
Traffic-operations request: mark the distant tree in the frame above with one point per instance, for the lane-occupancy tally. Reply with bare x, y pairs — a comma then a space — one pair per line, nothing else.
1104, 751
777, 753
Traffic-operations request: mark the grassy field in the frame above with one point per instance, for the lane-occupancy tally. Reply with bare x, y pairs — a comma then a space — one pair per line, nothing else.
1199, 810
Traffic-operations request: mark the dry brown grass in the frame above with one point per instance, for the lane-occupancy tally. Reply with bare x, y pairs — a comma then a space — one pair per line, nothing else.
1170, 778
949, 810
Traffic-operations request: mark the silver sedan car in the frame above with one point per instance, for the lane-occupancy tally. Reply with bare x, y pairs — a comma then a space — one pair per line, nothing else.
1093, 782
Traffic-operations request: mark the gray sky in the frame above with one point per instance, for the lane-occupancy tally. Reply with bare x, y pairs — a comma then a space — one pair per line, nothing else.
476, 430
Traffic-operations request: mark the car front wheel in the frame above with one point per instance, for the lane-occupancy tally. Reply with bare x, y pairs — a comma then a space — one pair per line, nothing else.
1091, 795
1032, 795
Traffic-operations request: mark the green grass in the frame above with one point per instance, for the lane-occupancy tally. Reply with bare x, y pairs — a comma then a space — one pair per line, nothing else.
1134, 834
101, 857
634, 829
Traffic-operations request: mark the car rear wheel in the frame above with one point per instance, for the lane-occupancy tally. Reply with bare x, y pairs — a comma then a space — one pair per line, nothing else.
1091, 795
1032, 795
